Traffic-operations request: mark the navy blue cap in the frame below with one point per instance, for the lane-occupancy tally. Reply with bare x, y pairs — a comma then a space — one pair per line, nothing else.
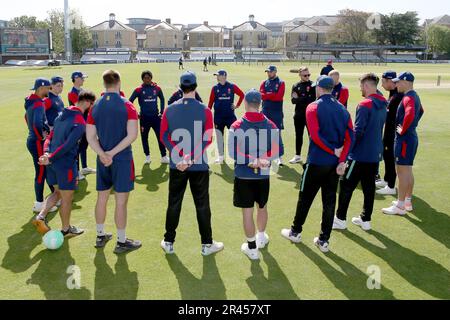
78, 74
41, 82
253, 96
56, 80
390, 75
221, 73
325, 82
271, 69
188, 78
407, 76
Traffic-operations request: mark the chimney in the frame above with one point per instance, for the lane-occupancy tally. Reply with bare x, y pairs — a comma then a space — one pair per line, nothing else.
251, 18
206, 23
112, 20
169, 21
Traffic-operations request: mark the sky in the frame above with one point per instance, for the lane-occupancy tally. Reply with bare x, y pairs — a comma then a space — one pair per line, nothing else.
233, 13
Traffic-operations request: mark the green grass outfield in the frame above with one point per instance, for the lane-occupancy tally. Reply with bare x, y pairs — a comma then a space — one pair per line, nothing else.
411, 252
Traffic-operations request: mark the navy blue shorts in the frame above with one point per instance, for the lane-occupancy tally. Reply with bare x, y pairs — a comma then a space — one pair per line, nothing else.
64, 178
119, 176
276, 118
405, 150
222, 123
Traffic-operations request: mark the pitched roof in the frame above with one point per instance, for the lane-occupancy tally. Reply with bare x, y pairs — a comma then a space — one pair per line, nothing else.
202, 29
111, 25
441, 20
251, 26
303, 29
162, 26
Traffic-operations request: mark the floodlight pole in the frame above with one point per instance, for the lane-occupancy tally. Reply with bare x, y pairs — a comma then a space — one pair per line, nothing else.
67, 39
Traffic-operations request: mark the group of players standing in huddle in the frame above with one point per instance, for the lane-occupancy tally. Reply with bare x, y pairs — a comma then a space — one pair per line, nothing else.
341, 151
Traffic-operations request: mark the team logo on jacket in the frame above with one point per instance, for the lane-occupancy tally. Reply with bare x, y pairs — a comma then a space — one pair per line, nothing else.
308, 89
229, 91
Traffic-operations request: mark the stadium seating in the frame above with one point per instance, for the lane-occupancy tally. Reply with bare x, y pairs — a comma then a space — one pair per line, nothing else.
158, 56
400, 58
90, 58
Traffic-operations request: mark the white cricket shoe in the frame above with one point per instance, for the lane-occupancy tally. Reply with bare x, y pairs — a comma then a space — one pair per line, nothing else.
339, 224
408, 205
386, 191
252, 254
165, 160
293, 237
262, 241
365, 225
381, 183
295, 160
209, 249
324, 246
148, 160
220, 160
86, 171
38, 206
167, 247
81, 176
394, 210
279, 162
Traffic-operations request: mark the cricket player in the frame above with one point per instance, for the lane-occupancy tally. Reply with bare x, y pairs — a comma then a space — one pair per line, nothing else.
387, 185
272, 91
340, 92
253, 143
54, 105
409, 113
222, 99
177, 95
331, 135
78, 79
37, 132
366, 154
303, 94
60, 157
327, 69
112, 128
187, 130
148, 95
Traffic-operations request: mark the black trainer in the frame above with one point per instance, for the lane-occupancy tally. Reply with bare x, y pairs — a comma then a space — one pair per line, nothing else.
128, 246
101, 241
72, 232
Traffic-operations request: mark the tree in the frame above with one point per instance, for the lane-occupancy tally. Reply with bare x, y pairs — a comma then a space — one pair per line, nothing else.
55, 21
398, 29
351, 28
439, 39
27, 22
81, 39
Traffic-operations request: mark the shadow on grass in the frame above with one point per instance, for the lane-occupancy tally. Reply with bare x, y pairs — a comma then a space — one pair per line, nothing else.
109, 285
432, 222
275, 286
209, 287
227, 173
351, 281
81, 193
20, 245
420, 271
289, 174
153, 178
52, 275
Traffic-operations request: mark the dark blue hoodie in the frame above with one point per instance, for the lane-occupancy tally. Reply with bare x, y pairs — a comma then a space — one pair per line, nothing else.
35, 118
370, 119
250, 138
62, 143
